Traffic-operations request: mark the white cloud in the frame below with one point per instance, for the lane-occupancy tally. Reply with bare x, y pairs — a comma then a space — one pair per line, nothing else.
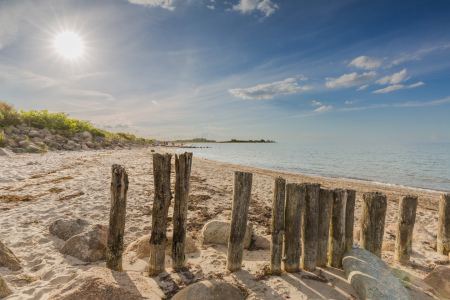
365, 62
398, 87
395, 78
350, 79
266, 7
88, 93
312, 103
23, 77
210, 6
352, 101
362, 87
324, 108
303, 78
155, 102
167, 4
269, 90
403, 59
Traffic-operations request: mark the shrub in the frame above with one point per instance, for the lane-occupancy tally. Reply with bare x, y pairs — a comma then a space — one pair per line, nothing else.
2, 139
8, 115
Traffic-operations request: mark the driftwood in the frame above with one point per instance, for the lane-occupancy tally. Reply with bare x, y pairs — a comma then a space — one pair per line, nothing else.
161, 203
295, 201
277, 226
241, 201
183, 164
310, 227
118, 190
405, 227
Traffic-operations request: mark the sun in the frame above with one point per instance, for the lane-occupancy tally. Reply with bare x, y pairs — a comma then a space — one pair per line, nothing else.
69, 45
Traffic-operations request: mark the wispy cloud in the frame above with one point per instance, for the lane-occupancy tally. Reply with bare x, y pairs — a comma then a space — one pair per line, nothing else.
266, 7
324, 108
167, 4
16, 75
269, 90
362, 87
350, 79
311, 103
365, 62
395, 78
210, 6
88, 94
352, 101
397, 87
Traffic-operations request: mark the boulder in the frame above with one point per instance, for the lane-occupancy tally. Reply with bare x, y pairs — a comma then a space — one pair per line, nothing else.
59, 138
97, 146
6, 152
218, 232
88, 246
141, 246
209, 290
38, 140
65, 229
8, 131
75, 139
48, 141
34, 133
262, 243
8, 259
86, 135
71, 143
67, 147
18, 150
12, 144
105, 284
32, 148
77, 147
370, 276
90, 144
4, 289
24, 144
439, 279
55, 145
84, 147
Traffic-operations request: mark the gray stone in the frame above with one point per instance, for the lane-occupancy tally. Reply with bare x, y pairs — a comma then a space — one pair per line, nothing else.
75, 139
67, 147
209, 290
4, 151
71, 143
8, 259
90, 144
262, 243
38, 140
4, 289
98, 146
12, 144
8, 131
78, 147
18, 150
32, 148
34, 133
24, 144
370, 276
65, 229
439, 279
88, 246
55, 145
84, 147
86, 135
218, 232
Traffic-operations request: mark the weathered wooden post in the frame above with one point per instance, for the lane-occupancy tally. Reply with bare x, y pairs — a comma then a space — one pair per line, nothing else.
405, 227
242, 190
349, 219
277, 226
118, 190
443, 237
325, 202
161, 203
295, 201
183, 164
337, 228
373, 215
310, 227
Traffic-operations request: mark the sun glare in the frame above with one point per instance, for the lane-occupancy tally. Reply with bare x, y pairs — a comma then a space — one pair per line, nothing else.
69, 45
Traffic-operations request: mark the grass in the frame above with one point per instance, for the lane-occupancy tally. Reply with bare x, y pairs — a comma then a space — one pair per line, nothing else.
57, 123
2, 139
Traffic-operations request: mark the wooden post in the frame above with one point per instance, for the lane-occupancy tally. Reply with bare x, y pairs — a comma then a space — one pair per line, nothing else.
337, 228
405, 227
161, 202
183, 164
325, 202
277, 226
310, 227
373, 215
443, 237
119, 188
295, 201
349, 219
242, 190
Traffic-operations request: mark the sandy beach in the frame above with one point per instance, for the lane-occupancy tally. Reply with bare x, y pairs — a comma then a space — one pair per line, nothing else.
63, 185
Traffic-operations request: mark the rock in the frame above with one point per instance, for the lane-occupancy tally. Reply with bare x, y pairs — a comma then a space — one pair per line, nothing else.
84, 147
262, 243
34, 133
209, 290
4, 289
77, 147
141, 246
12, 144
65, 229
86, 135
24, 144
48, 141
55, 145
90, 144
388, 246
71, 143
67, 147
59, 138
97, 146
218, 232
8, 131
370, 276
439, 279
105, 284
6, 152
75, 139
38, 140
32, 148
88, 246
8, 259
18, 150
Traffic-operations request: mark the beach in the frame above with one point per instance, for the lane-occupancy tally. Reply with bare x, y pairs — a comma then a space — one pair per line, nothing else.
76, 185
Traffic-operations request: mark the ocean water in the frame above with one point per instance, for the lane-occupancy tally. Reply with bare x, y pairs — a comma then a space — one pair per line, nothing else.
413, 166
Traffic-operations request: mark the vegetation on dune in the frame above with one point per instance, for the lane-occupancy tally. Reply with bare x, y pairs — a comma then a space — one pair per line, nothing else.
249, 141
195, 140
56, 122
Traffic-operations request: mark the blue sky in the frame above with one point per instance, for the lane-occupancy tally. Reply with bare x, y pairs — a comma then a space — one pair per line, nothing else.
369, 71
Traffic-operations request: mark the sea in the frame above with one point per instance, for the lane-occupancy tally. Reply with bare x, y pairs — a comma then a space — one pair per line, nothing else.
415, 166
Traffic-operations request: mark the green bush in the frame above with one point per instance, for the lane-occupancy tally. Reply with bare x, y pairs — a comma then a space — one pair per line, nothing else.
8, 115
2, 139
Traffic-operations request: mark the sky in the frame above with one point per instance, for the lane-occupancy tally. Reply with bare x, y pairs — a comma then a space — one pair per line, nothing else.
286, 70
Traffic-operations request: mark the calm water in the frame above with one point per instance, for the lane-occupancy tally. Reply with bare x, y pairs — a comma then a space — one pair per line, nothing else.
424, 165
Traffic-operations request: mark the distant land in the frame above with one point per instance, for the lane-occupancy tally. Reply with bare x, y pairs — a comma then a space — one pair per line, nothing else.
203, 140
